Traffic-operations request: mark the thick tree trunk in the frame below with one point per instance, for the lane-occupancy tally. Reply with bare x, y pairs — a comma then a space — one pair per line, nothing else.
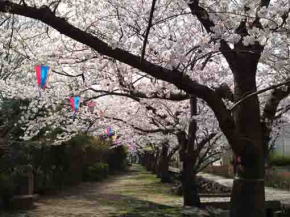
187, 156
152, 162
163, 164
248, 195
189, 185
147, 161
141, 159
156, 161
163, 170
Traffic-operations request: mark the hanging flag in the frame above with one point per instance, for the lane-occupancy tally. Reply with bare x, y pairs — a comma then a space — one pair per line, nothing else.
42, 75
75, 103
110, 131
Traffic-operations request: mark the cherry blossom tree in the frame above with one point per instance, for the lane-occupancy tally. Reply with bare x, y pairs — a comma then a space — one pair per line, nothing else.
166, 120
245, 33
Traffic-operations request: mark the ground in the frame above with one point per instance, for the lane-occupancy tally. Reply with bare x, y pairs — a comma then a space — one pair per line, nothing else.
137, 193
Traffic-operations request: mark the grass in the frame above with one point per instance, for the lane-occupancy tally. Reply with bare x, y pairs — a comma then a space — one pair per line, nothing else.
137, 193
141, 194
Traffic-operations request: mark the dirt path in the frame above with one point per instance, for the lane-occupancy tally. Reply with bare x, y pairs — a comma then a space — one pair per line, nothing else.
134, 194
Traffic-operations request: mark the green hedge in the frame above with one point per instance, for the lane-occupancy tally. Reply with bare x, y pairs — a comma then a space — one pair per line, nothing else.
7, 189
117, 159
96, 172
83, 158
279, 160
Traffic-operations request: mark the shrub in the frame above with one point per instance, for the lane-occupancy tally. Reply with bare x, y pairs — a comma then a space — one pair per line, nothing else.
7, 189
82, 158
277, 179
96, 172
279, 160
117, 158
96, 151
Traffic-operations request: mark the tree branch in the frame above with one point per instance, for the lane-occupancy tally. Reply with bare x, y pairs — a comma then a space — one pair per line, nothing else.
270, 110
183, 82
203, 16
265, 3
257, 93
165, 131
148, 30
173, 151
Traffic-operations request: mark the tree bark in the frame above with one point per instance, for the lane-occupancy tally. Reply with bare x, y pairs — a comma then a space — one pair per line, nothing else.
164, 170
147, 160
189, 187
156, 155
163, 165
152, 162
248, 195
247, 199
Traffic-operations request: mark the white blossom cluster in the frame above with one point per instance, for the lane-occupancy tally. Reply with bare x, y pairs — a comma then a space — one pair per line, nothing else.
176, 41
